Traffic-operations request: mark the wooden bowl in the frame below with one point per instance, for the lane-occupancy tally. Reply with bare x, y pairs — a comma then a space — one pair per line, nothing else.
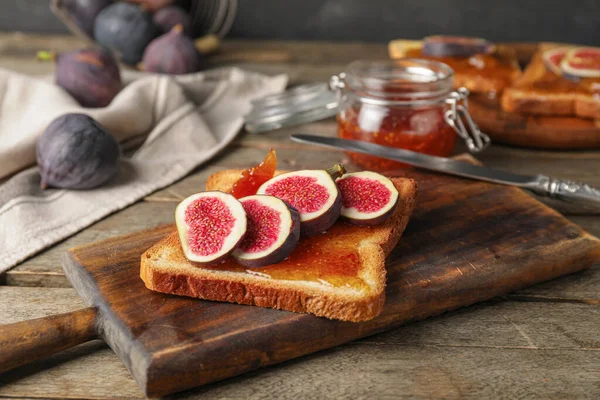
568, 133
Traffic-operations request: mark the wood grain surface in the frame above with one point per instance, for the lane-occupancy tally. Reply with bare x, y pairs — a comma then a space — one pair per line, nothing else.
485, 350
28, 341
467, 242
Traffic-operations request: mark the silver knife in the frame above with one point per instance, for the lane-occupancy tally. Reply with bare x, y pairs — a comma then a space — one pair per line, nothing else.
569, 191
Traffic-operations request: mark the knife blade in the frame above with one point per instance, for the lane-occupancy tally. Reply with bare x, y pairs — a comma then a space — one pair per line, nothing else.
565, 190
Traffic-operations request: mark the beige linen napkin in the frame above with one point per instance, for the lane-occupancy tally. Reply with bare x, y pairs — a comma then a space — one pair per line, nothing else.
187, 120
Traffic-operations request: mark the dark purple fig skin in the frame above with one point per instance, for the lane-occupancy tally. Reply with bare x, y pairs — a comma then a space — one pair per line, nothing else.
323, 222
168, 17
84, 13
455, 46
372, 221
76, 152
172, 53
126, 29
283, 251
90, 76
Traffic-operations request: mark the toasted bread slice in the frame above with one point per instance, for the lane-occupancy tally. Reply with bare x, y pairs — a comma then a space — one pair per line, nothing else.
339, 274
542, 92
479, 73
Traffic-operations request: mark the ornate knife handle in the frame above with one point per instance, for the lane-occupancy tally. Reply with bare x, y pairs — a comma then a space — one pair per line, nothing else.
569, 191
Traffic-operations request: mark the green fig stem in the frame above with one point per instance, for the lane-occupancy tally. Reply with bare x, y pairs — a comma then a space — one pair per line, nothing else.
207, 44
177, 28
46, 56
336, 171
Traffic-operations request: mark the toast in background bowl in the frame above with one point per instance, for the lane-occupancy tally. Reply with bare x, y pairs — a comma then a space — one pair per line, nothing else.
480, 73
542, 92
338, 275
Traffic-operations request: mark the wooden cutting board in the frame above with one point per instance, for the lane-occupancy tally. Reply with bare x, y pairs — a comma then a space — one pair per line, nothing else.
467, 241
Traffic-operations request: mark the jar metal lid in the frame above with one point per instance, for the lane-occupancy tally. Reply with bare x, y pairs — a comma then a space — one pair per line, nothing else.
302, 104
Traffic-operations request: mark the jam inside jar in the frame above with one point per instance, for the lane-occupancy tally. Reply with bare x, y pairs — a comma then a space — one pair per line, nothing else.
398, 104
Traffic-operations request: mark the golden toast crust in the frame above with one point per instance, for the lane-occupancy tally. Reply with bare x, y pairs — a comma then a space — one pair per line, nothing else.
165, 269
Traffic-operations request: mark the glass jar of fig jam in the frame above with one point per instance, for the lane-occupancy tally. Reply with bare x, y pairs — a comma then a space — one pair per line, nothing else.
407, 103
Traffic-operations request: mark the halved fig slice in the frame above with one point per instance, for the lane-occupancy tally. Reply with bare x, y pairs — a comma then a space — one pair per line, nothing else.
455, 46
553, 57
210, 226
273, 231
368, 198
313, 193
582, 62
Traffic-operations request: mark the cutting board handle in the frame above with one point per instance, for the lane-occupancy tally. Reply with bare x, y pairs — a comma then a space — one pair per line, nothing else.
27, 341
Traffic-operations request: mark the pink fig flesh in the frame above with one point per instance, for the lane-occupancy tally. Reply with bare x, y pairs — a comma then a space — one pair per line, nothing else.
553, 57
455, 46
368, 198
313, 193
210, 226
581, 62
273, 231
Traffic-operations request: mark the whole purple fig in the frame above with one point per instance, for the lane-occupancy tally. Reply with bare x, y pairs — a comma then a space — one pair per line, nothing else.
90, 76
172, 53
168, 17
126, 29
76, 152
84, 12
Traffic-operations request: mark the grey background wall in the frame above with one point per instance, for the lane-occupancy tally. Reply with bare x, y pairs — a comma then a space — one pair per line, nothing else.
377, 20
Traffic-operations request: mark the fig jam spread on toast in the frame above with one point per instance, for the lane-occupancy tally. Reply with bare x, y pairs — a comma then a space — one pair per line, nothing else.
330, 259
337, 274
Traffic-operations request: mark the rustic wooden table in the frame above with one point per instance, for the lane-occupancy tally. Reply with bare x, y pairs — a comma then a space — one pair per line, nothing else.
541, 342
